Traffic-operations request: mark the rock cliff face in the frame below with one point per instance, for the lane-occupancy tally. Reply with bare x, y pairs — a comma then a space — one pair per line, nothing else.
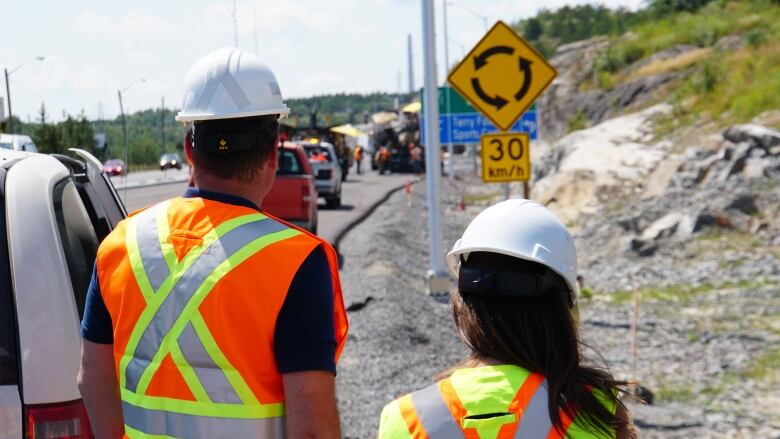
574, 94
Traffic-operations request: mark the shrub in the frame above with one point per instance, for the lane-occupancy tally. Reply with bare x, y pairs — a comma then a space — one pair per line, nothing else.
578, 122
604, 80
756, 37
709, 76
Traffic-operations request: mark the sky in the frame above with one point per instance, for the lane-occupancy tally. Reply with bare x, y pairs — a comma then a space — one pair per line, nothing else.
94, 48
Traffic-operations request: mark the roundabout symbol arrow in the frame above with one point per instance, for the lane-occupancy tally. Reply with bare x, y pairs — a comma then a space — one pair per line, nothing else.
525, 67
479, 62
497, 101
482, 59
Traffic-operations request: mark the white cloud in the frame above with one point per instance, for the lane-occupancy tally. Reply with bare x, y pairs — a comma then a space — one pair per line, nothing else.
132, 26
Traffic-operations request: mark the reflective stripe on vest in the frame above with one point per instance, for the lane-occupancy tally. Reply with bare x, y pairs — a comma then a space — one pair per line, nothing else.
143, 422
436, 412
171, 324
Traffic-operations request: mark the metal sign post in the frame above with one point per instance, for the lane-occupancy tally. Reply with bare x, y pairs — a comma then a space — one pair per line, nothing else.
438, 281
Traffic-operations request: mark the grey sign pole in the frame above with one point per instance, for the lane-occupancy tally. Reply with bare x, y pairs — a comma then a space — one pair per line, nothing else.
438, 281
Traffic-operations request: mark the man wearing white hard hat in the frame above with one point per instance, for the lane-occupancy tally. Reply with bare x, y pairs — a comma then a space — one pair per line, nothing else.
205, 316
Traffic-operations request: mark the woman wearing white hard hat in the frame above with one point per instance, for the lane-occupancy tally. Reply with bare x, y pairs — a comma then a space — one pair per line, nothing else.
516, 308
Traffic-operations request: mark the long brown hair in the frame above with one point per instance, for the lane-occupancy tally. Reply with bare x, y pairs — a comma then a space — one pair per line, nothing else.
539, 334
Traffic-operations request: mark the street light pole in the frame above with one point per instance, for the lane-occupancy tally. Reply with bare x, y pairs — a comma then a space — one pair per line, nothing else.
8, 89
447, 94
124, 132
8, 95
438, 281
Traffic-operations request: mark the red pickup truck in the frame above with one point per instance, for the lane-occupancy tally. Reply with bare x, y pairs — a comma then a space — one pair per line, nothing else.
293, 196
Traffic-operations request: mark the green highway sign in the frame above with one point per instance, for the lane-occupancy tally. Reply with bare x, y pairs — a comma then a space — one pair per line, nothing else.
458, 105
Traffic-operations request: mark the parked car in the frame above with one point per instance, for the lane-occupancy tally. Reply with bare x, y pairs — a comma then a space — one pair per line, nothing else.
115, 167
293, 196
326, 169
170, 160
54, 210
17, 142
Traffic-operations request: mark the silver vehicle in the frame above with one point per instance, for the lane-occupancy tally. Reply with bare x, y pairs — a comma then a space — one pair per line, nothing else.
54, 210
326, 169
17, 142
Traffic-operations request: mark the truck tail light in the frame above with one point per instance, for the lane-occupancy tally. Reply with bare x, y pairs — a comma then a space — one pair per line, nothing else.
305, 197
57, 421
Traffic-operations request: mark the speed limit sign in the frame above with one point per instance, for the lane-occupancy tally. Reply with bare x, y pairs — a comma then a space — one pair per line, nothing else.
505, 157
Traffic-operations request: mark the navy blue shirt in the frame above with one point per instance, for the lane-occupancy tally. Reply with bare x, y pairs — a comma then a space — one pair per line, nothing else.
303, 339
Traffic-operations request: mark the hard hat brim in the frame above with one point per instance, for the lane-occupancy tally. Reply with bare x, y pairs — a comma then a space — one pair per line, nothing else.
195, 117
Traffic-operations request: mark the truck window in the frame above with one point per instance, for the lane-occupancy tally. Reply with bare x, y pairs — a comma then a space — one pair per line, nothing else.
288, 163
8, 332
79, 240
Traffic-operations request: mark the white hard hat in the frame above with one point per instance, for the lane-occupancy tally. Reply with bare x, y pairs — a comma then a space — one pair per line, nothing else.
229, 83
523, 229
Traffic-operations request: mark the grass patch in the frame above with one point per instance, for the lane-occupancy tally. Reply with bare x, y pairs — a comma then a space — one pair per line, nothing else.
674, 393
765, 368
718, 240
728, 87
680, 293
679, 62
704, 27
578, 122
479, 198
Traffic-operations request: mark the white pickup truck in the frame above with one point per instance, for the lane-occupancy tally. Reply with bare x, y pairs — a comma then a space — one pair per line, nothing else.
54, 210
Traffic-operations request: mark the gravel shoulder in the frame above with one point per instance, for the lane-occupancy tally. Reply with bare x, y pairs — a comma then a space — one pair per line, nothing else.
708, 341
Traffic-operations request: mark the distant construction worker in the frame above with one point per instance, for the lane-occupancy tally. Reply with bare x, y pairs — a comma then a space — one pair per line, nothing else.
318, 156
358, 156
382, 159
516, 309
206, 317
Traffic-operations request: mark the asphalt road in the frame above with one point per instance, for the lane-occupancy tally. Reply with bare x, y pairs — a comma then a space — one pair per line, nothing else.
136, 179
360, 193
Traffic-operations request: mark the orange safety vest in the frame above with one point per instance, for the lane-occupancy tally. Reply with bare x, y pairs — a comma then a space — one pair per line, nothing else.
194, 287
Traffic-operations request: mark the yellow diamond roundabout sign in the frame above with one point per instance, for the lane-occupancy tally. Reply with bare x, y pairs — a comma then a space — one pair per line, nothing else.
502, 76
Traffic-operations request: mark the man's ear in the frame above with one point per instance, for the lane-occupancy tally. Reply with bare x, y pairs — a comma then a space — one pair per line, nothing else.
188, 147
273, 157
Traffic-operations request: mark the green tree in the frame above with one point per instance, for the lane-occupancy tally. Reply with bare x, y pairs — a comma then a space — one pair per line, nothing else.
533, 29
47, 136
78, 133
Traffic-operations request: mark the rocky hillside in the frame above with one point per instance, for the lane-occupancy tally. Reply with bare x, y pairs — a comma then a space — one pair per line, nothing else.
674, 197
717, 66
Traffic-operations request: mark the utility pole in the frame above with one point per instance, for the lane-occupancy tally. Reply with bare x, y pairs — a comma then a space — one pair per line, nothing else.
8, 95
162, 124
447, 94
411, 64
124, 133
438, 280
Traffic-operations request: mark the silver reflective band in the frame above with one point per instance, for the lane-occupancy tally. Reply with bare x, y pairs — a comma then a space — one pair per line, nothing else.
222, 75
160, 422
434, 415
211, 377
162, 322
149, 246
536, 417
